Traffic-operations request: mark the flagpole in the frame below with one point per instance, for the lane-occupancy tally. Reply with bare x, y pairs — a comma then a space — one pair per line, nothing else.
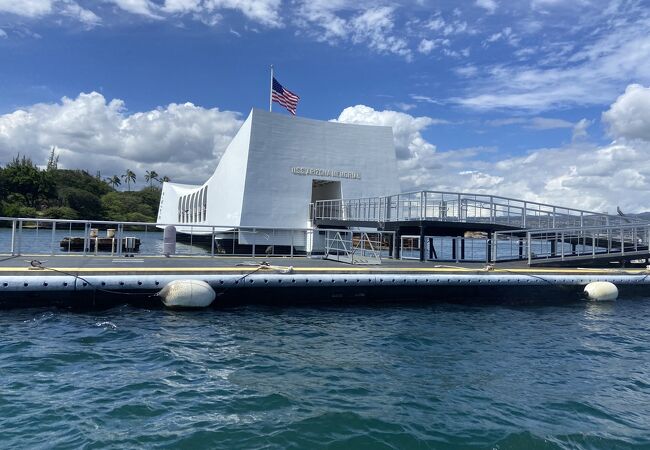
271, 92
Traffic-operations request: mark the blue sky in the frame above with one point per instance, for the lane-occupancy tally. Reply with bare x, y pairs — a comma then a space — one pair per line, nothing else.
542, 99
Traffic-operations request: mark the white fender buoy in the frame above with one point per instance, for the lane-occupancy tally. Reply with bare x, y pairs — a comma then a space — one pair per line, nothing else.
187, 294
602, 291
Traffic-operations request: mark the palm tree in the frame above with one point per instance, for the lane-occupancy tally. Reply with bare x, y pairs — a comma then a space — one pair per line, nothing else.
129, 177
114, 181
150, 176
165, 179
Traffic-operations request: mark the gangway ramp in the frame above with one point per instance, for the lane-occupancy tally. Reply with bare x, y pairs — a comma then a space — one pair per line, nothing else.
485, 212
555, 234
569, 246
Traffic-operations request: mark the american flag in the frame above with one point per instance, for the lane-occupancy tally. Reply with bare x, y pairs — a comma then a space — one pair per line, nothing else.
284, 97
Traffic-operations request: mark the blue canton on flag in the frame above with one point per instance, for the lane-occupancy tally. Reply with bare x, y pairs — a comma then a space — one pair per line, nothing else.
284, 97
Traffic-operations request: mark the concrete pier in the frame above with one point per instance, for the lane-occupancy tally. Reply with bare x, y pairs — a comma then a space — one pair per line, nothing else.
93, 282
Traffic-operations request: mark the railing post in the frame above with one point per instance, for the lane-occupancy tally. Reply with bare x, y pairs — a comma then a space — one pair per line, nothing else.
525, 212
53, 238
458, 213
493, 247
561, 244
13, 238
398, 212
593, 246
421, 205
212, 242
622, 243
492, 214
528, 249
425, 205
609, 241
553, 217
87, 227
119, 239
20, 237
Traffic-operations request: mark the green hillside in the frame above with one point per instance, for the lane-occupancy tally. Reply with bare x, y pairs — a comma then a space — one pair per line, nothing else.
28, 191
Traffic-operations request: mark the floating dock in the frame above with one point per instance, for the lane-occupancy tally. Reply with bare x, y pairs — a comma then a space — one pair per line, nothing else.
100, 281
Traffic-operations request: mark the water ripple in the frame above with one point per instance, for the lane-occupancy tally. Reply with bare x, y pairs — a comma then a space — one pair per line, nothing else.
443, 377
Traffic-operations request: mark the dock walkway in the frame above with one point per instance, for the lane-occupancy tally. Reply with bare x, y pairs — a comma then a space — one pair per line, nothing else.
101, 281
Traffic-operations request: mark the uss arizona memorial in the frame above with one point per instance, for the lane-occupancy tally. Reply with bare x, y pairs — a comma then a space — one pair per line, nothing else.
277, 166
281, 174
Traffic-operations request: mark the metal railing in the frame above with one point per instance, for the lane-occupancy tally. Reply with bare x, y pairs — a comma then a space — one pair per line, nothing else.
461, 207
444, 248
572, 243
37, 236
358, 247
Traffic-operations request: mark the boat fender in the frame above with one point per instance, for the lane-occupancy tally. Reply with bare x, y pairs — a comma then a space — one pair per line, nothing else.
187, 294
601, 291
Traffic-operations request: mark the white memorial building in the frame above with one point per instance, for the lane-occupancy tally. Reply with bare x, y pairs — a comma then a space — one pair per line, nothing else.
276, 166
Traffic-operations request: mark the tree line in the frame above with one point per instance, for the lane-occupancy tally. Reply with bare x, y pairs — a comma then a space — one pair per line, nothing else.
28, 191
130, 177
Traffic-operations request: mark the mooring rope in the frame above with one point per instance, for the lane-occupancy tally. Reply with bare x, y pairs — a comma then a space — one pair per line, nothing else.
36, 264
260, 266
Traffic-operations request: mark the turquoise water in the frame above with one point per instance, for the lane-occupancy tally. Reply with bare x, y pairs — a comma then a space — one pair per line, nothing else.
443, 377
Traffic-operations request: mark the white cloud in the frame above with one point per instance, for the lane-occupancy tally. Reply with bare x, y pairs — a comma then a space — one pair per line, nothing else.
85, 16
468, 71
504, 35
590, 75
580, 129
3, 33
185, 142
438, 24
406, 128
141, 7
425, 99
629, 116
426, 46
39, 8
489, 5
27, 8
440, 33
360, 23
579, 175
265, 12
375, 27
540, 4
182, 141
535, 123
323, 16
181, 6
506, 121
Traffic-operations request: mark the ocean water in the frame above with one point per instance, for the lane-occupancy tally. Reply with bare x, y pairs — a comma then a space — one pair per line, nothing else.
421, 376
44, 241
